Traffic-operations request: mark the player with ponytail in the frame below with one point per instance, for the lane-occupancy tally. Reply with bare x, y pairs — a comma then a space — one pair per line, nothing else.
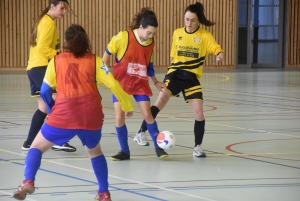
190, 48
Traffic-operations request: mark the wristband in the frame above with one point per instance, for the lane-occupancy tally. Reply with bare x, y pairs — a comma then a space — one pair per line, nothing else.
156, 82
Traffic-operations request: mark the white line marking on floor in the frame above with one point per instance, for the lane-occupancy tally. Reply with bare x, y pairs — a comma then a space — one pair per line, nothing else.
120, 178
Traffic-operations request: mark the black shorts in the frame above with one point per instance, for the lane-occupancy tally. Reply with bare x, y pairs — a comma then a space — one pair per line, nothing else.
36, 77
185, 82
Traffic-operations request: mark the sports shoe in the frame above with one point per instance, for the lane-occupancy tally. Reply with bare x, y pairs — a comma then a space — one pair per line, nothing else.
66, 147
198, 151
25, 146
161, 153
120, 156
27, 187
103, 196
141, 139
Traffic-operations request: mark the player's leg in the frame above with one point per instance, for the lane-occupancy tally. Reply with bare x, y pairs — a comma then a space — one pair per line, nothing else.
36, 76
122, 133
195, 98
162, 100
32, 164
91, 141
151, 124
199, 127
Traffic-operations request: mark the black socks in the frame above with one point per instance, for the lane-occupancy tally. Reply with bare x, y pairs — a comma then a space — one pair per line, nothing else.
36, 124
199, 131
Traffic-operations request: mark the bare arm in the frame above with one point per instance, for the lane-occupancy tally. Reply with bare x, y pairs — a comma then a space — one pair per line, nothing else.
106, 58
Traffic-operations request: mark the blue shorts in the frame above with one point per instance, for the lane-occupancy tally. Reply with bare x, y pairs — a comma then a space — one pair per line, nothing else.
60, 136
138, 98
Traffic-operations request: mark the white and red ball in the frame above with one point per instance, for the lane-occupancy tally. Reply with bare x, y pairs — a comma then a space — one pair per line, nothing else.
165, 140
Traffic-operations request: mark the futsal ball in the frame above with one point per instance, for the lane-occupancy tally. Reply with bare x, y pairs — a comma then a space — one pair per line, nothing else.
165, 140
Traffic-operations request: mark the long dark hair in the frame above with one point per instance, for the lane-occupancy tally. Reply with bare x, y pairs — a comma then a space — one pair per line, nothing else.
146, 17
199, 10
34, 28
77, 41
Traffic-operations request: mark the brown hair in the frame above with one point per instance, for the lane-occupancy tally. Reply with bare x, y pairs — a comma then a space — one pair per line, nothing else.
199, 10
77, 41
146, 17
34, 28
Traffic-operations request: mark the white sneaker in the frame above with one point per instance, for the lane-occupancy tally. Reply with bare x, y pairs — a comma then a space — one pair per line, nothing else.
141, 139
198, 151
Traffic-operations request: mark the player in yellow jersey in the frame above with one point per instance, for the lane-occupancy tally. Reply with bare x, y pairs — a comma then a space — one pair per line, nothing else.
190, 48
44, 45
133, 64
77, 109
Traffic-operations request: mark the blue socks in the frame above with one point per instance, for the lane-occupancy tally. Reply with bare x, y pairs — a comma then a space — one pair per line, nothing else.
101, 171
153, 131
32, 163
123, 138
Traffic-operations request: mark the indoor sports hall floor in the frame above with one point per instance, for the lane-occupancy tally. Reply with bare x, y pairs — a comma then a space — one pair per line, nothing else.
252, 143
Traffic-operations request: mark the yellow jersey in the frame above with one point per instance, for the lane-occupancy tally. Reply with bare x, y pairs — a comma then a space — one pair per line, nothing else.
190, 50
47, 44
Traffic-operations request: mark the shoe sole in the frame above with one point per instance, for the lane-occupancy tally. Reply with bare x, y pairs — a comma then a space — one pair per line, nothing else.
147, 144
115, 159
25, 149
66, 150
201, 156
164, 156
21, 195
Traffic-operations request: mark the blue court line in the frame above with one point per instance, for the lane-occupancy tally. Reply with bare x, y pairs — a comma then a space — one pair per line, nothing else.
88, 181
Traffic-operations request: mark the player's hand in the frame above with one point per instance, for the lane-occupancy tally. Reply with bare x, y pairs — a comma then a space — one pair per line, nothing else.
129, 114
159, 85
220, 57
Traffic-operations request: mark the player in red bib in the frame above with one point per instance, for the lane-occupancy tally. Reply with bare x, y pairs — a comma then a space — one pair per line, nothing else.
133, 64
77, 109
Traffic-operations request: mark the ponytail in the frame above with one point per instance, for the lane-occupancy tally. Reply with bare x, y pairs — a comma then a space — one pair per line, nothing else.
198, 8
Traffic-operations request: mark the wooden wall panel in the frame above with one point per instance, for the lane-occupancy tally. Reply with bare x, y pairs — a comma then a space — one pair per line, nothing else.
293, 35
104, 18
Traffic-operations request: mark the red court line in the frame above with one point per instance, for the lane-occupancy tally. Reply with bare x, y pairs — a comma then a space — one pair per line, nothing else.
228, 147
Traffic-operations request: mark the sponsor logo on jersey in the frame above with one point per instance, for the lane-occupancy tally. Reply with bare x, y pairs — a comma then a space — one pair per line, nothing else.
197, 40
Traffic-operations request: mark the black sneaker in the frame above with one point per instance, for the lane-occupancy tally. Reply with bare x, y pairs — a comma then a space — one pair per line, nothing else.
120, 156
66, 147
25, 146
161, 153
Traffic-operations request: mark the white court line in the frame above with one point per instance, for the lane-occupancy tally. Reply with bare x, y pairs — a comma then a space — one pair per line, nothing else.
7, 193
249, 129
120, 178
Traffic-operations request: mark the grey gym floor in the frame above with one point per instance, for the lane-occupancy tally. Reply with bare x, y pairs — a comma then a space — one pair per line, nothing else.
252, 142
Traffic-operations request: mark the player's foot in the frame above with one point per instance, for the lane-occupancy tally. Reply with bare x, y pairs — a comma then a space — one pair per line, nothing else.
198, 151
66, 147
141, 139
27, 187
120, 156
103, 196
25, 146
161, 153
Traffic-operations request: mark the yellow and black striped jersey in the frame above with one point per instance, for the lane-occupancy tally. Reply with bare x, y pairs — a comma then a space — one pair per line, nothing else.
47, 43
190, 50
